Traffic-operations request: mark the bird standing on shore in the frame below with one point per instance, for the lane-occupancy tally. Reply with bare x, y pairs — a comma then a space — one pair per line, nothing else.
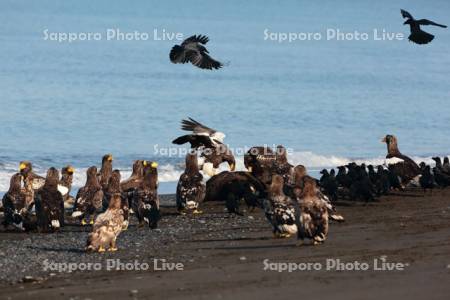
190, 189
312, 222
193, 50
89, 198
280, 209
417, 35
49, 203
65, 185
401, 165
14, 203
145, 198
107, 227
31, 181
106, 171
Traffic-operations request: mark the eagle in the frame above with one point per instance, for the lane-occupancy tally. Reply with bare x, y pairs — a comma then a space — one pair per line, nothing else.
280, 209
295, 190
312, 221
107, 227
402, 166
417, 35
49, 203
136, 176
31, 181
145, 201
233, 187
106, 171
210, 143
193, 50
190, 188
14, 203
89, 198
65, 185
114, 187
259, 160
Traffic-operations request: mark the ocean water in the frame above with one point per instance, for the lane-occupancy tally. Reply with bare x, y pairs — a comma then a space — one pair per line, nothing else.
328, 100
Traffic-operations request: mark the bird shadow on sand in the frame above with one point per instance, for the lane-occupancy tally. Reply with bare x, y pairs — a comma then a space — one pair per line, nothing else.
55, 249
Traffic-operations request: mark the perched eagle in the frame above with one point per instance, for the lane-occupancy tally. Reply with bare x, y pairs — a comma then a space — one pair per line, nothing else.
417, 35
136, 176
280, 209
107, 227
193, 50
402, 166
259, 160
145, 198
49, 203
89, 198
65, 185
14, 203
295, 190
312, 222
106, 171
115, 188
210, 144
31, 181
281, 165
232, 187
190, 188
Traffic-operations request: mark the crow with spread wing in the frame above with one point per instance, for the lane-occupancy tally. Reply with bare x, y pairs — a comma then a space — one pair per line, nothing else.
417, 35
193, 50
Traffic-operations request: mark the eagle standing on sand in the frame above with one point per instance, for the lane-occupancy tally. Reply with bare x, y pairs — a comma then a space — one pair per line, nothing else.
14, 203
193, 50
280, 210
402, 166
259, 161
49, 203
417, 35
209, 142
312, 222
233, 187
135, 178
106, 171
145, 198
107, 227
65, 185
31, 181
89, 198
114, 188
190, 188
299, 177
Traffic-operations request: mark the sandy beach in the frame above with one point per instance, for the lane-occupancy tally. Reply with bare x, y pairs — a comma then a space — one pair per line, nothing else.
221, 256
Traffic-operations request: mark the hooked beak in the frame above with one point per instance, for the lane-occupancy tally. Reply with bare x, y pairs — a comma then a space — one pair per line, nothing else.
145, 163
250, 169
232, 166
22, 166
154, 165
383, 140
110, 158
71, 170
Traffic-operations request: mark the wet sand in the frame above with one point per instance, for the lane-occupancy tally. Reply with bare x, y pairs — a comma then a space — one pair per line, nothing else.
223, 257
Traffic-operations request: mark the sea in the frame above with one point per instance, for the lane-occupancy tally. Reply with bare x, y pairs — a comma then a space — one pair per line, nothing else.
326, 79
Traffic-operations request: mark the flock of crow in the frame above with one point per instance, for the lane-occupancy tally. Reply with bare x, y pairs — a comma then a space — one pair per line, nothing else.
293, 202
